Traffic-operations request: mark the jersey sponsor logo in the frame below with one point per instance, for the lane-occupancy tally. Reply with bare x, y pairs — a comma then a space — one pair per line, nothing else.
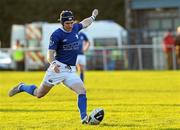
65, 40
71, 46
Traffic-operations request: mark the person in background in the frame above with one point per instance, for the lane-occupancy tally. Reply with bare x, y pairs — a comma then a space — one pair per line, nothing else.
177, 46
168, 45
19, 56
81, 58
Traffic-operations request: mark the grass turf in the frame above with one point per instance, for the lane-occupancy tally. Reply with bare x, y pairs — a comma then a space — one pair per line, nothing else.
131, 100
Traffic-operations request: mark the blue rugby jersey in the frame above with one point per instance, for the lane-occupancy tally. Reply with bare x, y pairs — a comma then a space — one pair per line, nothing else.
82, 37
66, 44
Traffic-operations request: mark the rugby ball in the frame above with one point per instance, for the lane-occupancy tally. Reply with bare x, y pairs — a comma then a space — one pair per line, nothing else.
96, 116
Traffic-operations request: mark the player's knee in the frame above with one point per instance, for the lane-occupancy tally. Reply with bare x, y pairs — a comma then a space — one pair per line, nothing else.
40, 95
78, 88
82, 91
81, 68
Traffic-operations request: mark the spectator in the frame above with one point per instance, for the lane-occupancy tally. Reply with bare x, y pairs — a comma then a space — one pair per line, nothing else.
18, 56
168, 43
177, 45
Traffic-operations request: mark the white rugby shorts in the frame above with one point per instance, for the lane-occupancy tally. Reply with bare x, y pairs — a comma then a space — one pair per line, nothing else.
67, 75
81, 59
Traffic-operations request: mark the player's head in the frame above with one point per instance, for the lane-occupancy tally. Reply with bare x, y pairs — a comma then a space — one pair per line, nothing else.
66, 15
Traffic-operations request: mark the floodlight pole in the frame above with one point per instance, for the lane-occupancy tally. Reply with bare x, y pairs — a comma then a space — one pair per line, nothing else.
128, 14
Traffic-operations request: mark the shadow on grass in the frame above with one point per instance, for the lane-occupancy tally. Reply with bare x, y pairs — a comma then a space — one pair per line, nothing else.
171, 129
136, 90
28, 110
118, 125
121, 104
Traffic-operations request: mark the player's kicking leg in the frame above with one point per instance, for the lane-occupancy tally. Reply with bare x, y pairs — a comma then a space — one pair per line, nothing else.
30, 89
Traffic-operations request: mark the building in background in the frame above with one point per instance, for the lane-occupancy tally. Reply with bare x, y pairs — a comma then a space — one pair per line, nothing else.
147, 21
155, 14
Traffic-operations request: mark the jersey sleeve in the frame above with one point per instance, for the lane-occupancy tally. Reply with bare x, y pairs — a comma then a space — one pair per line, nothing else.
78, 26
53, 42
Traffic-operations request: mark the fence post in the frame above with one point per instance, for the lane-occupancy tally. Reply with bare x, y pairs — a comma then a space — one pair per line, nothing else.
104, 59
174, 58
25, 60
140, 57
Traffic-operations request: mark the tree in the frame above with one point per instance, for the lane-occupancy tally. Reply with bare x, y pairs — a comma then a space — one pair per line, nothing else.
26, 11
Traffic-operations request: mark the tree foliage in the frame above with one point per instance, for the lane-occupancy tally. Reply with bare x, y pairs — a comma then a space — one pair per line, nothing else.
27, 11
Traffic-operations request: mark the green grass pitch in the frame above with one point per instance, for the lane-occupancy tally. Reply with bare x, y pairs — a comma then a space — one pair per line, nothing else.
132, 100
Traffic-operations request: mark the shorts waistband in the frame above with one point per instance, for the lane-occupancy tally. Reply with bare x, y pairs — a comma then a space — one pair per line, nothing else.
65, 67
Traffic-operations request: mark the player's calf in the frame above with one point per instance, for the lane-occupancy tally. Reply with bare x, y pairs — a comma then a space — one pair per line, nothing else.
22, 88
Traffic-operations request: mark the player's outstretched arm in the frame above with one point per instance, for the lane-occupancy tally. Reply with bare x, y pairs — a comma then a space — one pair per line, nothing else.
87, 21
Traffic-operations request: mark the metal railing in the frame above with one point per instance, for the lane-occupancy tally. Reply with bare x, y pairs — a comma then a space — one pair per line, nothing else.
126, 57
130, 57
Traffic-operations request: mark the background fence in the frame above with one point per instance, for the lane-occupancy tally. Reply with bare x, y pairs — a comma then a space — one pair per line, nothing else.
127, 57
133, 57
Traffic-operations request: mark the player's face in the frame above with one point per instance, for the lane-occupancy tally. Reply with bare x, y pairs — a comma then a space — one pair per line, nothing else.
68, 25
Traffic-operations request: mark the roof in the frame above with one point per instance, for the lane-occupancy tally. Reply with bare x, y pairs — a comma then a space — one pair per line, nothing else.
150, 4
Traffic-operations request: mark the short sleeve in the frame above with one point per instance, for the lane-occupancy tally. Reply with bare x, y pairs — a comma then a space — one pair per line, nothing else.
53, 42
78, 26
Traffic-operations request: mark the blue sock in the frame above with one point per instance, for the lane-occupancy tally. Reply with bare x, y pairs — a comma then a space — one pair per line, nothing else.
27, 88
82, 76
82, 104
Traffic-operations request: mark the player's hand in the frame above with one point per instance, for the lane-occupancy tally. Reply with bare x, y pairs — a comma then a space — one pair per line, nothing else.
55, 67
95, 13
